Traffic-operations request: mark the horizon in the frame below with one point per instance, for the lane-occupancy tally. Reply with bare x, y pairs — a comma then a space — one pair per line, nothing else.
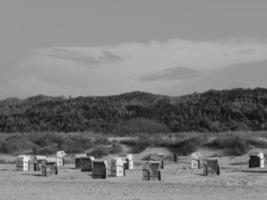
130, 92
100, 48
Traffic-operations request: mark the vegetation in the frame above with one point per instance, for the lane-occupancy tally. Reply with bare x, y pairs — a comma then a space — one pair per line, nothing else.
138, 113
183, 146
3, 161
233, 143
232, 146
116, 148
50, 142
100, 151
236, 145
44, 124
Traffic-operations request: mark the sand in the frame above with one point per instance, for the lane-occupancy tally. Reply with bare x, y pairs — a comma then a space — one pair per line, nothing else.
178, 182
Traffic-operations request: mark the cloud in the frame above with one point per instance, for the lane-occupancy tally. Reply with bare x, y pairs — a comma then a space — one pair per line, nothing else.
246, 51
169, 74
113, 69
248, 75
80, 58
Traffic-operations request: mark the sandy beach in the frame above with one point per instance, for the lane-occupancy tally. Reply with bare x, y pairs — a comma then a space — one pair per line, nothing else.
178, 182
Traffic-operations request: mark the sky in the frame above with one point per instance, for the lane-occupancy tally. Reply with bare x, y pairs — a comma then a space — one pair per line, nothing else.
106, 47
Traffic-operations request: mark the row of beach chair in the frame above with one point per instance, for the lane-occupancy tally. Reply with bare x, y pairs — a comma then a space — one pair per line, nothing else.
118, 166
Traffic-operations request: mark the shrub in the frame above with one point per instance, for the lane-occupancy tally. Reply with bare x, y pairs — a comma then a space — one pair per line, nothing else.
3, 161
6, 148
139, 147
140, 144
70, 146
49, 142
100, 151
146, 158
182, 146
129, 142
77, 142
100, 140
47, 150
116, 148
259, 143
187, 146
46, 138
234, 146
237, 148
15, 143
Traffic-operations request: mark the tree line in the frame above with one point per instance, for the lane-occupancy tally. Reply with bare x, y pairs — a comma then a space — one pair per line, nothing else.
138, 112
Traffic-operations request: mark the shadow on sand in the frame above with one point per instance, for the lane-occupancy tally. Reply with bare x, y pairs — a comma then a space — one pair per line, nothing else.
254, 171
38, 175
8, 170
31, 174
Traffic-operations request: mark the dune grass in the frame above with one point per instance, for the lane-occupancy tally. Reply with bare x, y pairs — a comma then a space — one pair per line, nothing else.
233, 143
50, 142
181, 145
236, 145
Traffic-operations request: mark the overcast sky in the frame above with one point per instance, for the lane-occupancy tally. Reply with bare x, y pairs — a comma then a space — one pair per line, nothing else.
102, 47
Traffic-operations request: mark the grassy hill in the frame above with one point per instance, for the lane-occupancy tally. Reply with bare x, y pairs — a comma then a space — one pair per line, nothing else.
138, 112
